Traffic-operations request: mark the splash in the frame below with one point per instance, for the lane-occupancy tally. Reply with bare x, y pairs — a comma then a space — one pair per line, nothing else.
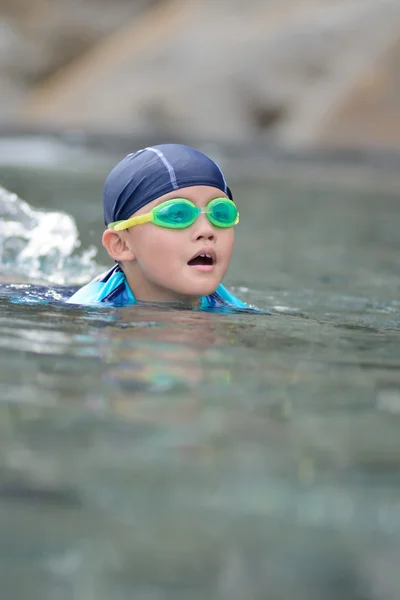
40, 245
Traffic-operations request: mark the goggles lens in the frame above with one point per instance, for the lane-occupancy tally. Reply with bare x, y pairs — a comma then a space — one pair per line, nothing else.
222, 213
175, 213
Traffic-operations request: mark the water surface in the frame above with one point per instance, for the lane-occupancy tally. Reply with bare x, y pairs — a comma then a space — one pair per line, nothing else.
152, 453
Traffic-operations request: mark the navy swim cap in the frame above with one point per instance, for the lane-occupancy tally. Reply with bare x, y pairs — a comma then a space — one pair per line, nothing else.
152, 172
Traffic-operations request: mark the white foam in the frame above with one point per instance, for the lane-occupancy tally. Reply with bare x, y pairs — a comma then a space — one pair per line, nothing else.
41, 245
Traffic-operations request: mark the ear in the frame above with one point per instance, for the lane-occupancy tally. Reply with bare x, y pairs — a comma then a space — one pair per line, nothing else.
116, 246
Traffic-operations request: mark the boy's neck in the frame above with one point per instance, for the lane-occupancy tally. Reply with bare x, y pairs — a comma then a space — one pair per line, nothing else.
145, 292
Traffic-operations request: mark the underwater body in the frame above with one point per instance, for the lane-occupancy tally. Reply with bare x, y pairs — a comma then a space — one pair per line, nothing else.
157, 453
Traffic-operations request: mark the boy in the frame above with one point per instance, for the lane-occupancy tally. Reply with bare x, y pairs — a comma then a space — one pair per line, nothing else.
170, 228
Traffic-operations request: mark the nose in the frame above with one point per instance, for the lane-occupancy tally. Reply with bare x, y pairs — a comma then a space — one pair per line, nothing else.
203, 229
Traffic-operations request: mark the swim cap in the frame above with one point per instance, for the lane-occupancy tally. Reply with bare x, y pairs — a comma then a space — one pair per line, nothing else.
152, 172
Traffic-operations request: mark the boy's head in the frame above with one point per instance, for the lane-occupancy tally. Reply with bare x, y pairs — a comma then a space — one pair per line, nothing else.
162, 254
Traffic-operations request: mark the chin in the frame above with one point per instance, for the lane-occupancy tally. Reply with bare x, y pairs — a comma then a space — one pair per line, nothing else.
202, 290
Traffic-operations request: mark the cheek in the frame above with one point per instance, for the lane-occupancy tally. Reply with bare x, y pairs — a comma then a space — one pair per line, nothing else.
157, 246
228, 242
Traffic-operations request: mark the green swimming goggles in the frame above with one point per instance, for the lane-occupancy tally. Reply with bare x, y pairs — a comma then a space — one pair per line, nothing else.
180, 213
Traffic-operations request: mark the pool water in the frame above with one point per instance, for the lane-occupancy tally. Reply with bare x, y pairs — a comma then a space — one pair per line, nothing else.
154, 453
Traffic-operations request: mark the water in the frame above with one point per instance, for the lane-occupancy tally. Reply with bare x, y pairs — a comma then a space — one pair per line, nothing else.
161, 454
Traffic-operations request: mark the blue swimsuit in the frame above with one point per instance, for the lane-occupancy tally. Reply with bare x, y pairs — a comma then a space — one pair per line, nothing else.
112, 287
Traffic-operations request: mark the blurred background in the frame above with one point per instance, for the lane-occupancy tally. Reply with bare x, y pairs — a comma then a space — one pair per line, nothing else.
315, 74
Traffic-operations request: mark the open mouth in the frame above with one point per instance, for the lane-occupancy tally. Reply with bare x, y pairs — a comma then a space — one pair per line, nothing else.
202, 259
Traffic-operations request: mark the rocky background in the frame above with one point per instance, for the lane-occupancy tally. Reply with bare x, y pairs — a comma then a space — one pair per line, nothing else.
302, 73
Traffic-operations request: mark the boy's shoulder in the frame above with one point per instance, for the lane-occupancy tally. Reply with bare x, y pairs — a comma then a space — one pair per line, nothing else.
108, 287
220, 298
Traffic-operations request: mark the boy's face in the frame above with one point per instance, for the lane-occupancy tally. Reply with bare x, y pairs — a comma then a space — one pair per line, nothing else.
161, 269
